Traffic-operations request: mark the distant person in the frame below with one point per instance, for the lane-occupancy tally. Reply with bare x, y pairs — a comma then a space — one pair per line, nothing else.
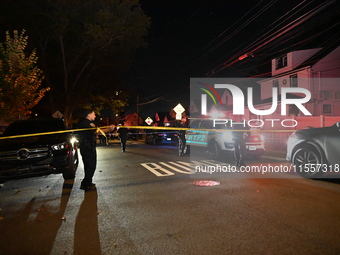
122, 135
87, 146
182, 146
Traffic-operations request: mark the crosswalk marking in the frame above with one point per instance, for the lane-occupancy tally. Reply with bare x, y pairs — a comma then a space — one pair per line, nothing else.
184, 163
155, 168
176, 169
162, 169
205, 167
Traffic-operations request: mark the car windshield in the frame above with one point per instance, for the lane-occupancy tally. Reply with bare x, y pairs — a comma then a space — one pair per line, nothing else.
34, 126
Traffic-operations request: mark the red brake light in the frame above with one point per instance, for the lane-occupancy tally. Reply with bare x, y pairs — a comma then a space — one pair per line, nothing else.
254, 139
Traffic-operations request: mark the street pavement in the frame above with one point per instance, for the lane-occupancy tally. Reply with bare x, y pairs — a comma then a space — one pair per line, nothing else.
134, 210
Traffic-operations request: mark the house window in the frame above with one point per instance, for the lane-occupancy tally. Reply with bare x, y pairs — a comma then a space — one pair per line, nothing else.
275, 83
281, 62
327, 108
294, 81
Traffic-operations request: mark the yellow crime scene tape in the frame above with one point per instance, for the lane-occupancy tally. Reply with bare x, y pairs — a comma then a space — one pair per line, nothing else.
143, 127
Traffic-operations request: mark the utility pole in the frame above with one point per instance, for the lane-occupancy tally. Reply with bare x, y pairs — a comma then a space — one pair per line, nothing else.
137, 108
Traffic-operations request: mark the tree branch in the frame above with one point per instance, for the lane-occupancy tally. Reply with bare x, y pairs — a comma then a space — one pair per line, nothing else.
64, 63
80, 73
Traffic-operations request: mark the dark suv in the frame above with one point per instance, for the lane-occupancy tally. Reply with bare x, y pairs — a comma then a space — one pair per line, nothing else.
38, 145
156, 137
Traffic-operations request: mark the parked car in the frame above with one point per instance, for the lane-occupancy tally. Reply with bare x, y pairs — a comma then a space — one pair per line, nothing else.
219, 139
315, 151
38, 145
132, 134
155, 137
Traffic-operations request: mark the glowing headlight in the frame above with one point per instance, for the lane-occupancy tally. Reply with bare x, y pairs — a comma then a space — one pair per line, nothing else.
59, 146
73, 140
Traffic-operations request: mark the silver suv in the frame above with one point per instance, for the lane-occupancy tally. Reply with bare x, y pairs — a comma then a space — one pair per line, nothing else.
219, 139
315, 151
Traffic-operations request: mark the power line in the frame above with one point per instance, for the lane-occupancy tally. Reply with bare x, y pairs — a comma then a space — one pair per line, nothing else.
278, 35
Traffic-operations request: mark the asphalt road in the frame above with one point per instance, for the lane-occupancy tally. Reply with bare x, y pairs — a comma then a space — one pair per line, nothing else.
147, 201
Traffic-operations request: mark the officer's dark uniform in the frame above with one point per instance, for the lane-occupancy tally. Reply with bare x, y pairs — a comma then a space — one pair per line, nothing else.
182, 147
239, 146
87, 146
122, 134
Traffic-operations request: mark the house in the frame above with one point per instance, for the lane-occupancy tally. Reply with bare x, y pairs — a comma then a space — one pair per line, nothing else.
314, 71
132, 120
317, 70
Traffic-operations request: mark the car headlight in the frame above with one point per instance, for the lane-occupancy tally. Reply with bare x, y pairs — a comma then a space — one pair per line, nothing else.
292, 140
73, 140
59, 146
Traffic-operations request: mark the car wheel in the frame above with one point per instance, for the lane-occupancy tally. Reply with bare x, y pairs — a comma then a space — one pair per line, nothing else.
306, 159
70, 172
214, 151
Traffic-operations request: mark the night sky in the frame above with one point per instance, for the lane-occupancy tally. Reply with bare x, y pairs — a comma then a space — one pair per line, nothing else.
205, 39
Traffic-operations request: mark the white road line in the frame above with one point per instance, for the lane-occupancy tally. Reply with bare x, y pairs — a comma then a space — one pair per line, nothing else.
162, 169
155, 168
174, 168
187, 164
209, 162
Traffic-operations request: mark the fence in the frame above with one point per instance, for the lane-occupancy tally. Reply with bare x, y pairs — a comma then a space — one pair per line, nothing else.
278, 140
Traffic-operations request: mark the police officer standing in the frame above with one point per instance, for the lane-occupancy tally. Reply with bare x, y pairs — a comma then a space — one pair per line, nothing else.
122, 134
182, 146
239, 140
87, 146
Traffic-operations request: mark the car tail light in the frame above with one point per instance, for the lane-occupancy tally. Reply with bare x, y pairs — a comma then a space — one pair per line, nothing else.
256, 138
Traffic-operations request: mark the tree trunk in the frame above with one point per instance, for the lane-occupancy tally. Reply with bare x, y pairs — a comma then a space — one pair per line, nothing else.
68, 112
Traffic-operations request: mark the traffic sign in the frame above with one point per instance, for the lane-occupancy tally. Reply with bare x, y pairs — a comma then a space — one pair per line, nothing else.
179, 109
148, 121
57, 115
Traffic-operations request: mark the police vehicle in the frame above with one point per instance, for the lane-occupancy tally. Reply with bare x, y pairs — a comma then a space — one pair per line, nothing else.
219, 138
